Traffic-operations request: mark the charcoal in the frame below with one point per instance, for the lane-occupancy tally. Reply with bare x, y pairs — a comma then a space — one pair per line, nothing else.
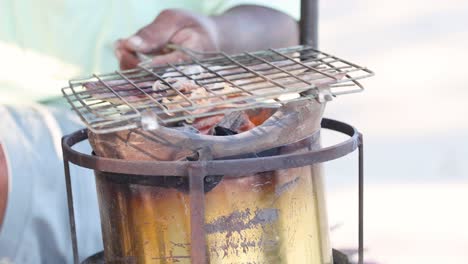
222, 131
236, 121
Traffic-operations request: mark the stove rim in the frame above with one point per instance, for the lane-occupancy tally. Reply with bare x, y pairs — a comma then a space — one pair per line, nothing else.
228, 167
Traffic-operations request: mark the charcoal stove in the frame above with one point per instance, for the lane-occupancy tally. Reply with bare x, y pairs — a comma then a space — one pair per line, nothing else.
200, 169
128, 116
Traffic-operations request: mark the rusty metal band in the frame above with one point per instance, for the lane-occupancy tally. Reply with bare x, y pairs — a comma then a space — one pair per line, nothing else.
233, 167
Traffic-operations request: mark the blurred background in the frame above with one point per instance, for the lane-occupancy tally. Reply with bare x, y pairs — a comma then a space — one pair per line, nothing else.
413, 115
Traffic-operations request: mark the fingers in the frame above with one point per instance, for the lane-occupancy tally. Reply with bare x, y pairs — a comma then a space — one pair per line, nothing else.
152, 38
157, 34
170, 26
173, 57
188, 38
184, 38
127, 58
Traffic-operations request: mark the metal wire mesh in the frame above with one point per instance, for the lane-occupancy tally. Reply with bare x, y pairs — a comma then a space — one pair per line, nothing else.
210, 84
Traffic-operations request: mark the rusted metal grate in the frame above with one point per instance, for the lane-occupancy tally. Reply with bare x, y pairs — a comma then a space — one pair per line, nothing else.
210, 84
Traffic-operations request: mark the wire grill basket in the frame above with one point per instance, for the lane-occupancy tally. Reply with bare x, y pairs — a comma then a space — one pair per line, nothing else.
210, 84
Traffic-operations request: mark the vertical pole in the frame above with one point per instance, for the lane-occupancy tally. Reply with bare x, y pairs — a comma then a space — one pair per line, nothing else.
361, 200
309, 23
197, 215
71, 211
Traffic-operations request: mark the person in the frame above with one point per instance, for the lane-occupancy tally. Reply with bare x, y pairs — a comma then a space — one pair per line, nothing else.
43, 44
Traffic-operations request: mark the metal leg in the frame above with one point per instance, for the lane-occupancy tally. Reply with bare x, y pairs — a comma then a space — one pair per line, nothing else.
71, 212
197, 215
361, 199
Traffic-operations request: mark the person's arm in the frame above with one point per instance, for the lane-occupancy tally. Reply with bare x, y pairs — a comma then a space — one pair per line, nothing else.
249, 28
239, 29
3, 185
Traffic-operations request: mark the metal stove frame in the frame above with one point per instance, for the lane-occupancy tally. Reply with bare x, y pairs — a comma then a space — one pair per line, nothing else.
198, 170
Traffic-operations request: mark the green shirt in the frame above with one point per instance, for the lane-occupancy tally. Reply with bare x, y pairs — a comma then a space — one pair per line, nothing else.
45, 43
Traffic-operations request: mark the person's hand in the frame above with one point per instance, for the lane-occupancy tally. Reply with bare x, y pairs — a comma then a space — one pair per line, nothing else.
174, 26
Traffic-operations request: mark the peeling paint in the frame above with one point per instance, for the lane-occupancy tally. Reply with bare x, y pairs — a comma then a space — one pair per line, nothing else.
238, 221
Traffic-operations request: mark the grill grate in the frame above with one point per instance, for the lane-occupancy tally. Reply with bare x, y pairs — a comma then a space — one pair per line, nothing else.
210, 84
